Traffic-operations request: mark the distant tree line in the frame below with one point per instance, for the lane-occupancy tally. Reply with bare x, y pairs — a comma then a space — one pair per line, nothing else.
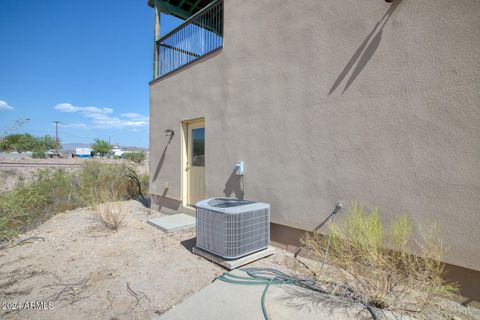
22, 142
104, 148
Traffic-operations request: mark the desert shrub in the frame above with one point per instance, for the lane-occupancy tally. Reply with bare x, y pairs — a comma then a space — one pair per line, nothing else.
111, 215
51, 192
29, 204
38, 154
137, 157
144, 182
375, 260
98, 183
103, 182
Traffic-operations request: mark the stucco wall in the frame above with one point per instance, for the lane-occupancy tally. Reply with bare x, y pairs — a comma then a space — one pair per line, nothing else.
337, 99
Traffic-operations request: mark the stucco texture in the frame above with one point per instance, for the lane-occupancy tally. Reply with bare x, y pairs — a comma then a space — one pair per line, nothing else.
337, 100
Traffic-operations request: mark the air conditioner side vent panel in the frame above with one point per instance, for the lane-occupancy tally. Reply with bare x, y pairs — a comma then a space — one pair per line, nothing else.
235, 231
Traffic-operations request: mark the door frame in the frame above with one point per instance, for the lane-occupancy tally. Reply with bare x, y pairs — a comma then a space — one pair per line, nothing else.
184, 158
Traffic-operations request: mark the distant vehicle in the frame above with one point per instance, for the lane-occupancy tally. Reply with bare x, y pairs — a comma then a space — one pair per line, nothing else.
118, 152
83, 152
53, 154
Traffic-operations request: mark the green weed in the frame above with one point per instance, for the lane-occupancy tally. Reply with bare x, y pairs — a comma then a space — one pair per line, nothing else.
375, 260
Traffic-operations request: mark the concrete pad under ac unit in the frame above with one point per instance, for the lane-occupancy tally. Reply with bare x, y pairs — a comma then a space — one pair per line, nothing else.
235, 263
176, 222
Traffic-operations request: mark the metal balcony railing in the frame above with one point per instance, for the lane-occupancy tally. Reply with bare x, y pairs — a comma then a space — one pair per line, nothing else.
197, 36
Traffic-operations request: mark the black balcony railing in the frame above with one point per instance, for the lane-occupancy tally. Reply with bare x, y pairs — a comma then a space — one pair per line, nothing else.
197, 36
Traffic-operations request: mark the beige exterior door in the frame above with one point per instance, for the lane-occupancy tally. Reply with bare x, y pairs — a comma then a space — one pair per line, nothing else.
195, 162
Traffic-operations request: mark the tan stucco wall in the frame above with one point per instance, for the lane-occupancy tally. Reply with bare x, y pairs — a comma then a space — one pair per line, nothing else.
337, 99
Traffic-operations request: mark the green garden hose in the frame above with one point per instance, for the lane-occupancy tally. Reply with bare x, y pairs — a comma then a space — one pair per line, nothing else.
267, 277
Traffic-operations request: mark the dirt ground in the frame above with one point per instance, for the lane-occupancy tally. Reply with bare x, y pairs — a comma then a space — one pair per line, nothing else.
90, 272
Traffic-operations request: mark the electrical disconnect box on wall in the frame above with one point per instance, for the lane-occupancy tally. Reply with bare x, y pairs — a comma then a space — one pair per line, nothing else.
239, 168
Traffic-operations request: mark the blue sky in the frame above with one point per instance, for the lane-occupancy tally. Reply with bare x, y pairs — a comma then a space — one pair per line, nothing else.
85, 63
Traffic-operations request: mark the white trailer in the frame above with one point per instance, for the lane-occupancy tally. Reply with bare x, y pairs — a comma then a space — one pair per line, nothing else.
83, 152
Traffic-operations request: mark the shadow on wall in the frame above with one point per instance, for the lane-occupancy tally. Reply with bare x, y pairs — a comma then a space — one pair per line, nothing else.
160, 201
162, 159
365, 51
234, 186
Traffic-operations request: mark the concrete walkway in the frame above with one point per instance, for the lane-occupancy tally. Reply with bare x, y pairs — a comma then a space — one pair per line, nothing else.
172, 223
221, 300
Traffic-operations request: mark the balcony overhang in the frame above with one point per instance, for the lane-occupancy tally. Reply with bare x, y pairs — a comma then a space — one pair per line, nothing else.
182, 9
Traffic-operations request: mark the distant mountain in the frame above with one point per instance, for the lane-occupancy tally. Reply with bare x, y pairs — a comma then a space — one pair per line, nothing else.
130, 148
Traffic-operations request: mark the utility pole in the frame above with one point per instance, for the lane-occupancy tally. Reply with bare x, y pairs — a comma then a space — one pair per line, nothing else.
56, 136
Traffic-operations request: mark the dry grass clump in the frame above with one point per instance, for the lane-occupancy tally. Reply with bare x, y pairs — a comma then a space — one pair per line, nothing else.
111, 215
102, 182
137, 157
375, 261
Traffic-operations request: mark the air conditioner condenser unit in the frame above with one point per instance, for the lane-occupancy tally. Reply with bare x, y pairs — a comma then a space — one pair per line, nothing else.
232, 228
